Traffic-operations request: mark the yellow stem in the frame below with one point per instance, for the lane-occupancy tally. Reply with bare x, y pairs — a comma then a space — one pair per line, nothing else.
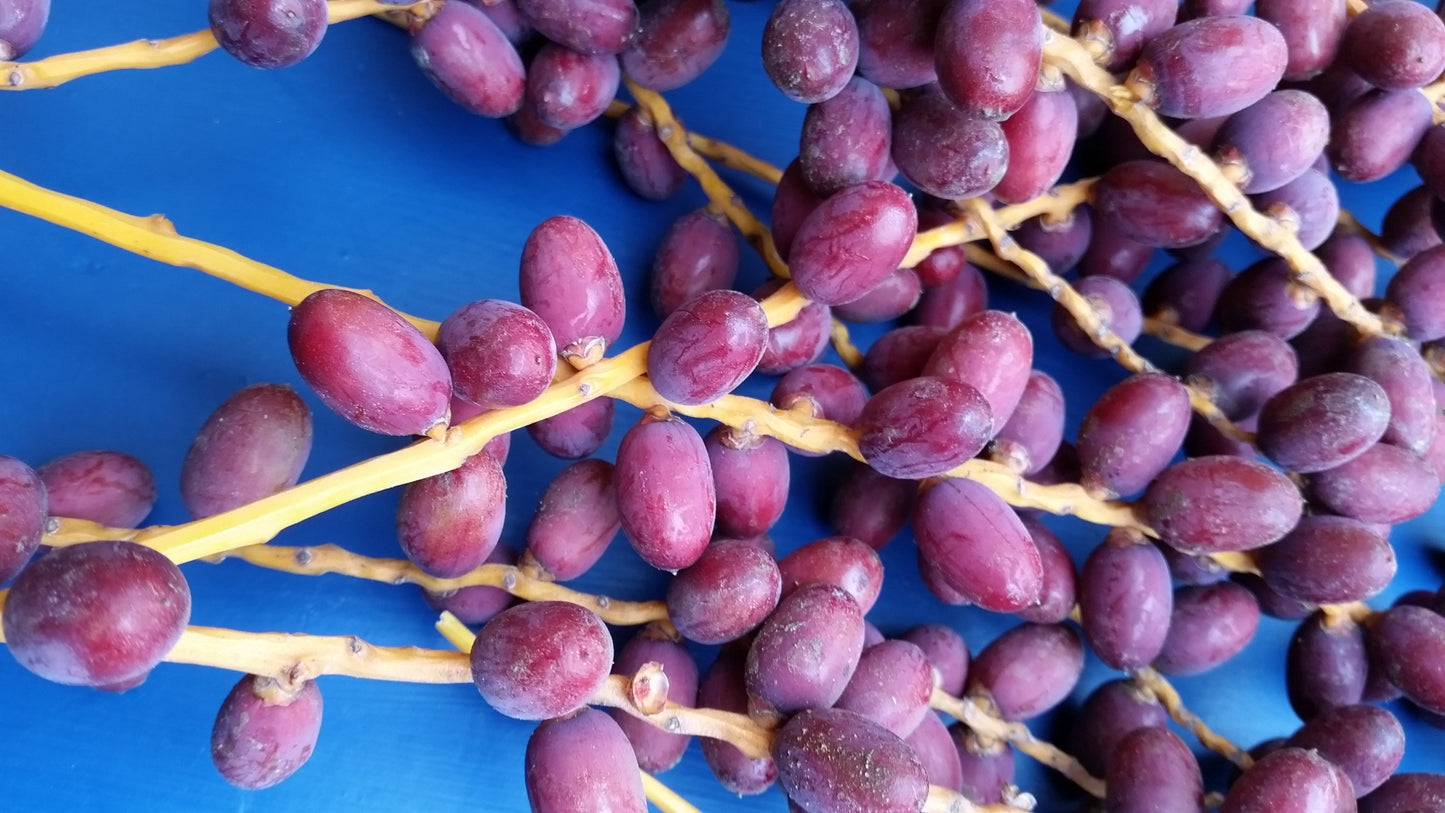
1087, 317
1072, 58
674, 135
843, 345
1173, 334
1055, 203
740, 730
719, 151
803, 431
976, 714
1348, 223
263, 519
156, 238
260, 521
142, 54
948, 800
664, 798
319, 560
457, 634
1357, 612
1168, 697
293, 658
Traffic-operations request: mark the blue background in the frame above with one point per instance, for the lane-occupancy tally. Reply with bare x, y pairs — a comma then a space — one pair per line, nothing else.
353, 169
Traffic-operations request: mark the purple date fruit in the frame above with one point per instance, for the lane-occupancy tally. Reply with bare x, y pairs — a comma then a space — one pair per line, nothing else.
1221, 503
923, 427
469, 59
805, 653
725, 593
575, 521
569, 279
449, 523
988, 54
254, 445
586, 26
1029, 669
1212, 66
1131, 433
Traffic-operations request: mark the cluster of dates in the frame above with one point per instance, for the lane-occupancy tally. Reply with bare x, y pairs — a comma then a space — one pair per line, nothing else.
1347, 435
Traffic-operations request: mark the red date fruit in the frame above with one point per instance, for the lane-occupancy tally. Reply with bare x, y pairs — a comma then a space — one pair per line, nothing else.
259, 739
110, 488
469, 59
805, 652
1029, 669
96, 614
979, 545
253, 446
580, 763
1212, 66
706, 347
923, 427
676, 41
586, 26
576, 520
852, 241
541, 659
810, 48
988, 53
1222, 503
368, 364
1131, 433
665, 492
725, 593
568, 278
832, 759
23, 511
449, 523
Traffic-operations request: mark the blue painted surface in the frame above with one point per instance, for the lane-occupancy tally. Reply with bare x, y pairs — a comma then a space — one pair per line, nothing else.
352, 169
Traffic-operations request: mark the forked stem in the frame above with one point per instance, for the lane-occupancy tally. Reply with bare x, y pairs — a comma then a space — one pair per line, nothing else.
1147, 678
1087, 317
674, 135
1073, 59
1057, 203
719, 151
976, 714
